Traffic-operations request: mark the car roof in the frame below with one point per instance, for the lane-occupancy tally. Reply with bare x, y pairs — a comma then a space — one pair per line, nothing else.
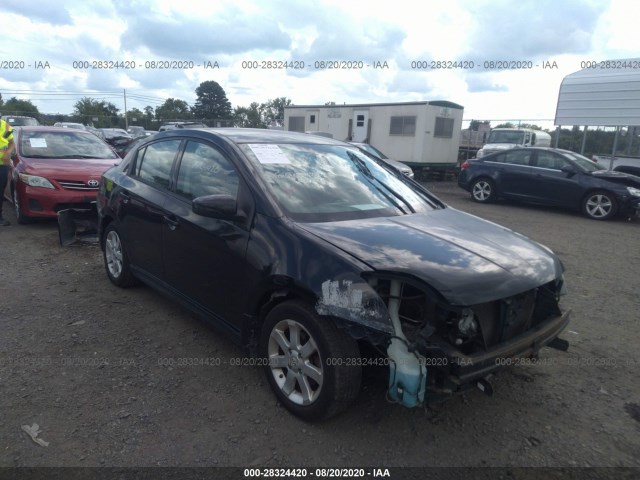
545, 149
43, 128
258, 135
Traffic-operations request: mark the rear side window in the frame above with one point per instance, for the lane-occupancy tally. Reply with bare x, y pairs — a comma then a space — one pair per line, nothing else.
519, 157
205, 171
513, 157
154, 164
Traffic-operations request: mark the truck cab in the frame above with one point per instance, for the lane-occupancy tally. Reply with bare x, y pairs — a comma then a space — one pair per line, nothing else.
504, 138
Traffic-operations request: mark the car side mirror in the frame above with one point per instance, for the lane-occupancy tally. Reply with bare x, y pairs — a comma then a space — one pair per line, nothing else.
215, 206
568, 169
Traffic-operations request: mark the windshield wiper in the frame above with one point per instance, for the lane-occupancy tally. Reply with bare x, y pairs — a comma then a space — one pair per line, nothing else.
360, 165
396, 194
80, 156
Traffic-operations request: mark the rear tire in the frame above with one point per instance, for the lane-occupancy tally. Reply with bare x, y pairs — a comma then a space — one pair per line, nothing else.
116, 261
310, 364
483, 190
599, 205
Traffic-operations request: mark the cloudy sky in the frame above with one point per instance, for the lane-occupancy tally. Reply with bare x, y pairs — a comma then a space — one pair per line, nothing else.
466, 37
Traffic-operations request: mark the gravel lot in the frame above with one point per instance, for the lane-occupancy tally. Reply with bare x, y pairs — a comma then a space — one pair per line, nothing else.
87, 362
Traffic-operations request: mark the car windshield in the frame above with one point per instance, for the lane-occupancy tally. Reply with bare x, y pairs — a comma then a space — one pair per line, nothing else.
506, 136
583, 162
67, 143
321, 183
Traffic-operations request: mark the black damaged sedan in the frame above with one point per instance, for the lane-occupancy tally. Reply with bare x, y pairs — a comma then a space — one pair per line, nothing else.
555, 177
304, 249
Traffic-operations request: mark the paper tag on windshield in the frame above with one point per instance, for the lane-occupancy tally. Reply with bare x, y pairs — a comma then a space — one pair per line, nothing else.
267, 153
38, 143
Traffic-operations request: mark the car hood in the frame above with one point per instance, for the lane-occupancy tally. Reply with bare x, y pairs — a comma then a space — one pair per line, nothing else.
467, 259
62, 166
500, 146
618, 177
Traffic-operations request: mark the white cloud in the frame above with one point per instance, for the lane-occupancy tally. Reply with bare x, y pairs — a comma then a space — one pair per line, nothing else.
397, 33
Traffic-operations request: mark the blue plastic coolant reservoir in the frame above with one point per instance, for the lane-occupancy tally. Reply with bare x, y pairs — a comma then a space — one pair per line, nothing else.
407, 374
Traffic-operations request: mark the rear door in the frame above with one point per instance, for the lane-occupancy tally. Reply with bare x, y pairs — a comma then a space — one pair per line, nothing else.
204, 257
511, 172
141, 201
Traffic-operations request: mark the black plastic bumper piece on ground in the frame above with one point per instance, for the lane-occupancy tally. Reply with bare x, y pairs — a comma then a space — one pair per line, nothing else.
77, 225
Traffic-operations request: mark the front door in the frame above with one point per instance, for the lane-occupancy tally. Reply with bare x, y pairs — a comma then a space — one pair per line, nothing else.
204, 257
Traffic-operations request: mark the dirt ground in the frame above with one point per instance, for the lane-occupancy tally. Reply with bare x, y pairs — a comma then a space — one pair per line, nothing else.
91, 364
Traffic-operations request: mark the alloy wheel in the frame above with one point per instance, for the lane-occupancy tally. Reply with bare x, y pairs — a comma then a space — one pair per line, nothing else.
482, 191
113, 254
295, 362
599, 206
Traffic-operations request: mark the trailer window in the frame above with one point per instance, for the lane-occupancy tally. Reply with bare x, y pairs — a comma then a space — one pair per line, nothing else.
403, 126
444, 127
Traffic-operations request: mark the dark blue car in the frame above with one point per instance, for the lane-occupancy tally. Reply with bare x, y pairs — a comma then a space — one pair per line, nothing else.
550, 176
304, 249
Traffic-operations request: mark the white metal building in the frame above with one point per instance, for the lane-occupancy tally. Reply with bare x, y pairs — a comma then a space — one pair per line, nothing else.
607, 97
421, 134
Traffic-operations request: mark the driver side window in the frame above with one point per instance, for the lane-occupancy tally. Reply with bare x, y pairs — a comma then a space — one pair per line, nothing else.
550, 160
205, 171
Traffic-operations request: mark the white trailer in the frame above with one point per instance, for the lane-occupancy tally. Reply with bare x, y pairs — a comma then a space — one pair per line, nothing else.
424, 135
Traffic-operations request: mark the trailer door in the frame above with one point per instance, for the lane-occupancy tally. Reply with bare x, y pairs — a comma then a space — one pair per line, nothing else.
360, 125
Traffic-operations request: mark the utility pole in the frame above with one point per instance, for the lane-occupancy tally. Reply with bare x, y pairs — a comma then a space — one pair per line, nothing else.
126, 123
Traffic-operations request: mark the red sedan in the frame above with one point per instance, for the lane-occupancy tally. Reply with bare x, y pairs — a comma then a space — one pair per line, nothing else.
56, 168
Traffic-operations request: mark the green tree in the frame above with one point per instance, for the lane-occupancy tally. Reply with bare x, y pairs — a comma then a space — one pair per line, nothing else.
273, 110
14, 106
249, 117
137, 114
173, 109
148, 113
211, 102
86, 109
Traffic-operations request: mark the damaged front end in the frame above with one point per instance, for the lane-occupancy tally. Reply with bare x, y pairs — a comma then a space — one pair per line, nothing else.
436, 349
460, 346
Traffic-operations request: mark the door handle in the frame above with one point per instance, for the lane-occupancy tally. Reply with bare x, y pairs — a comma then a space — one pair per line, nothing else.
125, 197
173, 224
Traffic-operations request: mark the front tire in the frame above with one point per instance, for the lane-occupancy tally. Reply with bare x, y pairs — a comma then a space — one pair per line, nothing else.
20, 218
599, 205
310, 364
116, 260
483, 190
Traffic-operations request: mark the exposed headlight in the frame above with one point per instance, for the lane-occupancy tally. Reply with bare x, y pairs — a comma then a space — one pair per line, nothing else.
634, 191
35, 181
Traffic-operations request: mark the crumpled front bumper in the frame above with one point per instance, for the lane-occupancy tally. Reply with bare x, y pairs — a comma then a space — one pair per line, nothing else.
462, 369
